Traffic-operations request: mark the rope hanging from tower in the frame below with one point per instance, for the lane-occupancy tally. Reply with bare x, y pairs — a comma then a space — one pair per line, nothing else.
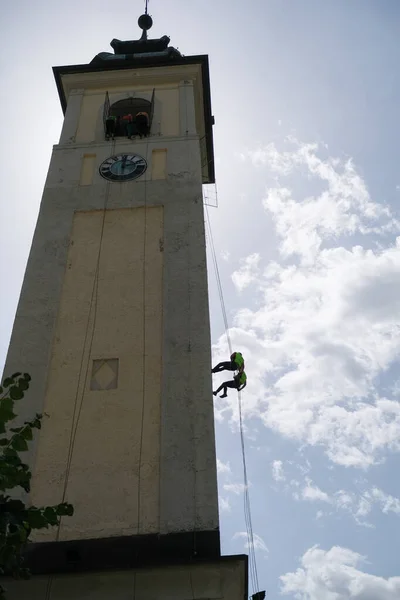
240, 365
78, 400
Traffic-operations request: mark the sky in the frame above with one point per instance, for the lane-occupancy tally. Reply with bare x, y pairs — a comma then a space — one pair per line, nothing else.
306, 98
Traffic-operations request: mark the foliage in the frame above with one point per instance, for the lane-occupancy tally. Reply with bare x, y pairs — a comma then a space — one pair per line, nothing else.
17, 519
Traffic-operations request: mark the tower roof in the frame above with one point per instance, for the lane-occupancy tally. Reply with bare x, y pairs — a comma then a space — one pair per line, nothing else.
139, 51
144, 55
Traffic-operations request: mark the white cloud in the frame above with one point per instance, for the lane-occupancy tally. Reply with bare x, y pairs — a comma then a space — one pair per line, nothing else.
277, 471
342, 208
224, 504
335, 575
344, 499
313, 493
386, 502
364, 507
258, 542
223, 467
248, 272
235, 488
358, 505
325, 334
303, 468
323, 331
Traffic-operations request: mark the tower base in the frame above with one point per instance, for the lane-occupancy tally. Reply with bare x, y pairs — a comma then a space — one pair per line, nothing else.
222, 578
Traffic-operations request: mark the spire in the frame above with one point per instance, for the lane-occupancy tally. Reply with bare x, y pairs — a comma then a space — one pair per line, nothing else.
145, 22
140, 50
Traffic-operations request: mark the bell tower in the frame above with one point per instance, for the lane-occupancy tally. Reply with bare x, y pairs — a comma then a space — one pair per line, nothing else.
113, 326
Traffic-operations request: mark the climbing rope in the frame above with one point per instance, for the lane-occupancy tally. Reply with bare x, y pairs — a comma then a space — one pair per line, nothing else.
79, 396
247, 506
191, 371
78, 401
144, 339
93, 304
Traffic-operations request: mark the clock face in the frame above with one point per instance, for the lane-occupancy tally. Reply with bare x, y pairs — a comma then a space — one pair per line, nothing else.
123, 167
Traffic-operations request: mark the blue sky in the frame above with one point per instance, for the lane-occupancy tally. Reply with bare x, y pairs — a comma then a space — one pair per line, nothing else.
306, 100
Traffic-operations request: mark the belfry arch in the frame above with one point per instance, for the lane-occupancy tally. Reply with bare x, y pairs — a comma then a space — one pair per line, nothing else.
128, 106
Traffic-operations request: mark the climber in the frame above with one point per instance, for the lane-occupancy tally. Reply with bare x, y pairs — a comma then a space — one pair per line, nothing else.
142, 124
127, 121
237, 383
235, 364
111, 123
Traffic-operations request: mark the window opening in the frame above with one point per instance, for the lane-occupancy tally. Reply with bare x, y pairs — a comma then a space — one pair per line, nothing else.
133, 124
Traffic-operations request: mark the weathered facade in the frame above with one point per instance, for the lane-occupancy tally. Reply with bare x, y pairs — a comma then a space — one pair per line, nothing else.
113, 326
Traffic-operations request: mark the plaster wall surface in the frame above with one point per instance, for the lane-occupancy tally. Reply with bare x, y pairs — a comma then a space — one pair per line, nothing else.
159, 164
88, 167
110, 308
183, 420
221, 580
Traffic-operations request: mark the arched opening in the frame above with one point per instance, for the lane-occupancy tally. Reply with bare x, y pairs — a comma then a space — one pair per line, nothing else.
125, 107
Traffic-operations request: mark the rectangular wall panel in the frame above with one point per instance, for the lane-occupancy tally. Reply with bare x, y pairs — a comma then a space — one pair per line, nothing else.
104, 385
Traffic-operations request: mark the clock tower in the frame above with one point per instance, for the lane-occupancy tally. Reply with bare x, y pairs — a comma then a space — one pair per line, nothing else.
113, 326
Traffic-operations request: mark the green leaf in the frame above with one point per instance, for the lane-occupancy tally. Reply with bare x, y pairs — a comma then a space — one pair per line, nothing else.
4, 441
36, 519
27, 433
23, 385
19, 444
7, 382
15, 375
27, 377
4, 417
7, 405
64, 509
6, 410
36, 423
11, 457
13, 506
51, 516
16, 393
1, 390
